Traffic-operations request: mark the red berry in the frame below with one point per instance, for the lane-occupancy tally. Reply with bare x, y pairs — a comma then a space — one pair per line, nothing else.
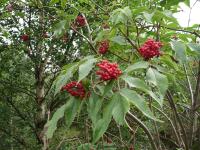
104, 46
131, 147
150, 49
80, 21
75, 89
24, 37
108, 71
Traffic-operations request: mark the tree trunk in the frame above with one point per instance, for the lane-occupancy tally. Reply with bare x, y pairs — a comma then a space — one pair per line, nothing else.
40, 118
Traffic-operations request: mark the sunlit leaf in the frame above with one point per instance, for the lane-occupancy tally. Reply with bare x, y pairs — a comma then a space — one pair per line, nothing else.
158, 79
180, 50
138, 101
64, 77
86, 67
137, 65
138, 83
71, 109
52, 124
120, 109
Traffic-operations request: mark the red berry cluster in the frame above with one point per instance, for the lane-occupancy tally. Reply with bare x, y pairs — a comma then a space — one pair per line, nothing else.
75, 89
80, 21
150, 49
103, 48
108, 71
24, 38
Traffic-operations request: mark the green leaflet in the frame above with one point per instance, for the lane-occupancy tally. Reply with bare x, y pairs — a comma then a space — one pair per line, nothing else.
137, 65
69, 110
86, 67
138, 101
120, 109
103, 123
180, 50
72, 108
121, 16
158, 80
93, 108
138, 83
64, 77
52, 124
117, 107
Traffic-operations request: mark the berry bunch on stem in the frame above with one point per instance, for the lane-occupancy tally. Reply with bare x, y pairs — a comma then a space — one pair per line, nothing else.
108, 70
24, 37
75, 89
103, 46
150, 49
80, 20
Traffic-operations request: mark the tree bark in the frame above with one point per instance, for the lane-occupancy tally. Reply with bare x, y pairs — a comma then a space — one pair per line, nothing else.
40, 118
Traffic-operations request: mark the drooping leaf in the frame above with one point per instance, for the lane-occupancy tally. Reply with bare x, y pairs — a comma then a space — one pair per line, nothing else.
127, 12
102, 124
94, 106
138, 83
138, 65
138, 101
100, 129
60, 27
158, 79
194, 47
72, 108
121, 16
180, 50
64, 76
120, 109
52, 124
119, 40
164, 15
148, 16
86, 67
108, 87
135, 82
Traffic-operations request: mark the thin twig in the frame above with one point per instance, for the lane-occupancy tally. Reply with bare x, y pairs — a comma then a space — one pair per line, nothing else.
173, 127
182, 30
189, 85
196, 93
89, 42
146, 130
173, 106
129, 40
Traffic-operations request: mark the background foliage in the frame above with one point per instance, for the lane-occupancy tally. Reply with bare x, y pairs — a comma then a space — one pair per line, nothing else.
153, 105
